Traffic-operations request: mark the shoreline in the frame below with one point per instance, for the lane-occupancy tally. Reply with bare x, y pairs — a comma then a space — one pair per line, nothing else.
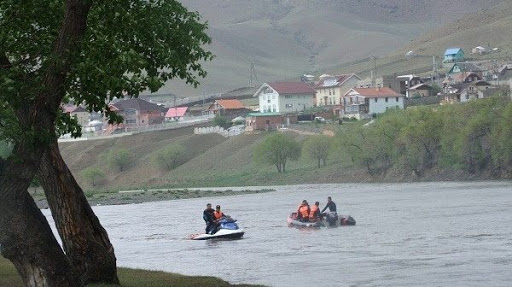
152, 195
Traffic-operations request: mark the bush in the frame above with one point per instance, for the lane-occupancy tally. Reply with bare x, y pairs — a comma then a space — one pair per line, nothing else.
119, 158
93, 175
169, 157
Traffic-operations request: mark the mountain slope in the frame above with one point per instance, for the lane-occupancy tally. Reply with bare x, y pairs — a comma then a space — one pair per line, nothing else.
287, 38
491, 28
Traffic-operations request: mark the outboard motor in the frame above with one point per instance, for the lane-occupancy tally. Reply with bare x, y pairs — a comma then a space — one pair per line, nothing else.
331, 218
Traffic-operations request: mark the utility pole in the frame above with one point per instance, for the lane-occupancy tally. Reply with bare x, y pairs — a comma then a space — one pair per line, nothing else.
252, 75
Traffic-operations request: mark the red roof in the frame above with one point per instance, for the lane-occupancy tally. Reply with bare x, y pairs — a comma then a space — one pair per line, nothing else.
176, 112
292, 88
376, 92
230, 104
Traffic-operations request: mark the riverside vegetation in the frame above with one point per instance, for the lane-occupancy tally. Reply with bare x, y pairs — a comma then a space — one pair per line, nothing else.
128, 278
451, 142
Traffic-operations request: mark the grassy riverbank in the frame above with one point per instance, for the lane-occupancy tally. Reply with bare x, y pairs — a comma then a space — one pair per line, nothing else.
128, 277
150, 195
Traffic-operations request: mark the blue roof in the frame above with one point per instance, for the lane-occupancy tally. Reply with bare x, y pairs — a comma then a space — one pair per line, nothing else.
452, 51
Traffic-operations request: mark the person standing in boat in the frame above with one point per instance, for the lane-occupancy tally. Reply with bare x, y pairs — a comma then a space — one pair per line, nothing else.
303, 211
209, 218
330, 204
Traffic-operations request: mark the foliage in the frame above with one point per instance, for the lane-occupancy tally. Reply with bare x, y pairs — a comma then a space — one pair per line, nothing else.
119, 158
277, 149
474, 137
169, 157
221, 121
317, 148
93, 175
117, 55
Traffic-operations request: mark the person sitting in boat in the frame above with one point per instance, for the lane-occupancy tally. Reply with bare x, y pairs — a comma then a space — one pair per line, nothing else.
330, 204
217, 214
209, 218
314, 213
303, 211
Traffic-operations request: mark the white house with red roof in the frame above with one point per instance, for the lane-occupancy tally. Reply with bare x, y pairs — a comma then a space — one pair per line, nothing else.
361, 103
285, 97
330, 89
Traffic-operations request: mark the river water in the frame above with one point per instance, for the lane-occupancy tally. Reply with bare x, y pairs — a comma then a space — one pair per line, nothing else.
418, 234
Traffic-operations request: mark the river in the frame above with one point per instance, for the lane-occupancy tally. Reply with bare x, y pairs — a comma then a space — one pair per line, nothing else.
412, 234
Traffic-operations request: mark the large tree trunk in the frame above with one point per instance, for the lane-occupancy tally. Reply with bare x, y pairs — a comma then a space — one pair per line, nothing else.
25, 236
85, 241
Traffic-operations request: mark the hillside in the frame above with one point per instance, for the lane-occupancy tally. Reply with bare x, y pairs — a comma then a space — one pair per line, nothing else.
210, 160
491, 28
285, 39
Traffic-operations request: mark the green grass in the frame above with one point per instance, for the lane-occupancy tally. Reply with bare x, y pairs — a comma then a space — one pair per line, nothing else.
128, 277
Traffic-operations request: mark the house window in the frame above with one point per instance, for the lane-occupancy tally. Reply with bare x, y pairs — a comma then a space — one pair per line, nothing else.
387, 99
289, 105
274, 108
268, 101
397, 99
130, 112
375, 99
288, 96
467, 97
273, 97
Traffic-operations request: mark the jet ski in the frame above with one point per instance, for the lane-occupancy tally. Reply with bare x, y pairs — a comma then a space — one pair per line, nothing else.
227, 229
329, 219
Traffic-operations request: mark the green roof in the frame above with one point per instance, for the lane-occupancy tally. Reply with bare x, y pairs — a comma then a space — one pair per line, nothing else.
263, 114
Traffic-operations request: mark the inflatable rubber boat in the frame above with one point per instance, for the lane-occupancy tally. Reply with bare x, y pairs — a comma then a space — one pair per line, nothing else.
329, 219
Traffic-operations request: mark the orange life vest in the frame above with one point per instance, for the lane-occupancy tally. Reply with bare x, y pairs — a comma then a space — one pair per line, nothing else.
217, 214
312, 213
304, 211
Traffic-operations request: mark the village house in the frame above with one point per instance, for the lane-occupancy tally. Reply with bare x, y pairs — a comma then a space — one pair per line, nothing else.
420, 91
138, 112
465, 67
228, 108
453, 55
285, 97
462, 78
464, 92
330, 89
361, 103
175, 113
265, 121
79, 113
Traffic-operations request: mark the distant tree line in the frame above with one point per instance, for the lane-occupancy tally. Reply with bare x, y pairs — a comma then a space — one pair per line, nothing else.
473, 137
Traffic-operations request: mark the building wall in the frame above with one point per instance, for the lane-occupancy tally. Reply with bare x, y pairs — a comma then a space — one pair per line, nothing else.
263, 123
294, 103
81, 117
268, 101
380, 105
334, 94
418, 93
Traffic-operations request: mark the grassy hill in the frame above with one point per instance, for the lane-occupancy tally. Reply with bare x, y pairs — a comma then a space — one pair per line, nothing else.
285, 39
210, 160
488, 28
